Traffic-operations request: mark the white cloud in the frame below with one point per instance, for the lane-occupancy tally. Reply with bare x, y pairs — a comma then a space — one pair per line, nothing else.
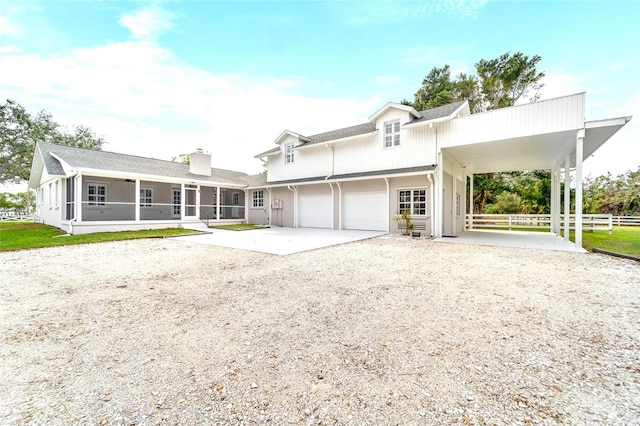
8, 27
148, 22
145, 101
8, 49
437, 55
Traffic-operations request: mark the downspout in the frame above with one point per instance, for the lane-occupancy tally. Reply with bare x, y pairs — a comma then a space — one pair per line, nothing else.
432, 220
295, 204
333, 157
270, 206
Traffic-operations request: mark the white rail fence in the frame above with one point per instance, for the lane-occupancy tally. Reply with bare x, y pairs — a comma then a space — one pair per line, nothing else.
590, 222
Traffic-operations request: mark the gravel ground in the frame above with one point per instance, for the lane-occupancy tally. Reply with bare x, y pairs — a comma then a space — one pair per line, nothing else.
382, 331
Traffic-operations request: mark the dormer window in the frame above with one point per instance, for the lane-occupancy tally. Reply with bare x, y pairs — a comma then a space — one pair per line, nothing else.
288, 153
391, 133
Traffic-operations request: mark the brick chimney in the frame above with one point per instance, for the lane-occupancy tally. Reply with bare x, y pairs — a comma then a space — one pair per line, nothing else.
200, 163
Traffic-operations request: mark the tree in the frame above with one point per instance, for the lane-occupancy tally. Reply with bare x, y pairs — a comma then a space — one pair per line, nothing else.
498, 83
618, 196
20, 201
20, 131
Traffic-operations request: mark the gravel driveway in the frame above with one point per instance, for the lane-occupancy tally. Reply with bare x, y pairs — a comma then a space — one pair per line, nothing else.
382, 331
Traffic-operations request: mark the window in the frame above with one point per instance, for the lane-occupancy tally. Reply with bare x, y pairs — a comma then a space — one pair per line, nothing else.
97, 195
391, 133
257, 198
235, 199
70, 211
50, 195
288, 153
457, 204
413, 200
146, 197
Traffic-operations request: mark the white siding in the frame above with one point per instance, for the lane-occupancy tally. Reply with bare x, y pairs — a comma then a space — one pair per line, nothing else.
308, 162
554, 115
417, 148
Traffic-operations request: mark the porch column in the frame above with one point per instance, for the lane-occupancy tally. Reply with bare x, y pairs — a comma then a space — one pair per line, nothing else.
217, 203
567, 196
339, 205
471, 201
246, 205
454, 193
78, 196
137, 200
183, 200
198, 189
579, 154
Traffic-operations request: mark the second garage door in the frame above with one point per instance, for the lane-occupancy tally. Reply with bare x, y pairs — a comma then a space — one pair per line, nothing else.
315, 211
365, 210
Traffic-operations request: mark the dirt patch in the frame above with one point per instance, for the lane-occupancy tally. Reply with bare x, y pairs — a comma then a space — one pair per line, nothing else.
383, 331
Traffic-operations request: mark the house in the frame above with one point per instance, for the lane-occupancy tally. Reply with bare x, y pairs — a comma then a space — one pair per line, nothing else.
364, 176
358, 177
81, 190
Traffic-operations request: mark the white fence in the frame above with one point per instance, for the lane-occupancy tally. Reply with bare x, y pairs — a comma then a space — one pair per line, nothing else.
590, 222
626, 220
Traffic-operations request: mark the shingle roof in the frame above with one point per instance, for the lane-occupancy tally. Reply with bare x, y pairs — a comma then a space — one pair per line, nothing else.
364, 128
122, 163
437, 112
319, 179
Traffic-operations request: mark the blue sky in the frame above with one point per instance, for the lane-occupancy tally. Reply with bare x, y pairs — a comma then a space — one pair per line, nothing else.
161, 78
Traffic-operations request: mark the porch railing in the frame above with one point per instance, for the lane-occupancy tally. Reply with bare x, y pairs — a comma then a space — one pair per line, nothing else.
113, 210
537, 221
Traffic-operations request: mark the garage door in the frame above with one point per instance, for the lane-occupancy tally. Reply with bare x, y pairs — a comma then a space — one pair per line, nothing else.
315, 211
365, 210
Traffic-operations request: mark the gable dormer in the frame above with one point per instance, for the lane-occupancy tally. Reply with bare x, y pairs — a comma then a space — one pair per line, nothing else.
390, 118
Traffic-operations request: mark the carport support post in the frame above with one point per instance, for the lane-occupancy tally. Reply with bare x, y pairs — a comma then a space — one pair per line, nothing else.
567, 196
558, 200
579, 155
470, 201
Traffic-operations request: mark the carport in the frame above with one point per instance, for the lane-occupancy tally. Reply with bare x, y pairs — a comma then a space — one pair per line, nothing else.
549, 135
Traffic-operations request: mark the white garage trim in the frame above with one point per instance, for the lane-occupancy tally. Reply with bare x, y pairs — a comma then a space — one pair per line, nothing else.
316, 210
366, 211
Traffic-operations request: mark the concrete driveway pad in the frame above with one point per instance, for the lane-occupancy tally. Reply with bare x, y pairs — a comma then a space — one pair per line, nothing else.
280, 241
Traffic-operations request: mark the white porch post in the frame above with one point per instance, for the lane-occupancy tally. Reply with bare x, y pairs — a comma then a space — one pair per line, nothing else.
182, 201
558, 201
471, 201
137, 198
246, 206
217, 203
198, 201
79, 198
579, 154
454, 193
567, 196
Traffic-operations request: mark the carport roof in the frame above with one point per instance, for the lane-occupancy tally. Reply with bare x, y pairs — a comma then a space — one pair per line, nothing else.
535, 152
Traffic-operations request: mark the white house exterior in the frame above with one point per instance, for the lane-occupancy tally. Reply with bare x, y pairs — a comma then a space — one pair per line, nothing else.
83, 191
359, 177
364, 176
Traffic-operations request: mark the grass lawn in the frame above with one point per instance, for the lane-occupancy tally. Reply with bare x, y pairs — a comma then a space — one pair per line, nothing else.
624, 239
24, 235
239, 227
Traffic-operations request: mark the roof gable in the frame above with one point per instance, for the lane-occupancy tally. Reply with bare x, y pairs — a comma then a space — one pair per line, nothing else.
393, 105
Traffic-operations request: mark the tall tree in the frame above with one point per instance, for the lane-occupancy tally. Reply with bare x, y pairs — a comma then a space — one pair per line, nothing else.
20, 131
498, 83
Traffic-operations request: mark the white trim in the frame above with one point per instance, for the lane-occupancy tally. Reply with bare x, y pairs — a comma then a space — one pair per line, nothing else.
394, 105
